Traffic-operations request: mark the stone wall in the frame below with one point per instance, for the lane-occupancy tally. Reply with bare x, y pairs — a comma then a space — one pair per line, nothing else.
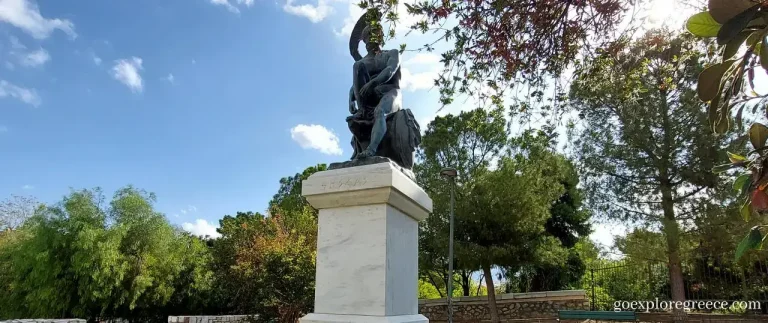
538, 306
211, 319
45, 321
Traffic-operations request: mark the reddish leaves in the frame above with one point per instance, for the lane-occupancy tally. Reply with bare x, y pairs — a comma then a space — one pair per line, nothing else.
759, 200
499, 41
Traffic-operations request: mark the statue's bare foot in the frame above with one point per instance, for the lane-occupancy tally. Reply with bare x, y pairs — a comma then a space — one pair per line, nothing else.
365, 154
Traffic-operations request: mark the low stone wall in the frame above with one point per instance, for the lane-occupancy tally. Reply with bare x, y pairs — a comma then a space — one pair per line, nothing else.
211, 319
512, 307
45, 321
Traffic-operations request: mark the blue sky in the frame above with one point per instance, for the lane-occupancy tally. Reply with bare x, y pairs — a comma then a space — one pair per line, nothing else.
207, 103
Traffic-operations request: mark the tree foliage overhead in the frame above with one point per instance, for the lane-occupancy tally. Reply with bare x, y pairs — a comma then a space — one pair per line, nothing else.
741, 29
494, 43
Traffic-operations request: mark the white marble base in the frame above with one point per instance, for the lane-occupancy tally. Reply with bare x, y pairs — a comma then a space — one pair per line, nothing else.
367, 245
333, 318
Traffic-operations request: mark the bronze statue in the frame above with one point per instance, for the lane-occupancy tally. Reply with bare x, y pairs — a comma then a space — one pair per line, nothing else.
379, 124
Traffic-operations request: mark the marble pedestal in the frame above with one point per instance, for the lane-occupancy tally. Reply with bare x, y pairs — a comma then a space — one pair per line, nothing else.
367, 245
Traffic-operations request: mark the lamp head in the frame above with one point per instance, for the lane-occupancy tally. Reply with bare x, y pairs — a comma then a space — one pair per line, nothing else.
449, 172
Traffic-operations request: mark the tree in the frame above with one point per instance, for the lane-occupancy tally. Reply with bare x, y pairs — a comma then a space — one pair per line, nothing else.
82, 258
738, 24
265, 264
504, 193
493, 43
569, 223
288, 197
15, 210
234, 291
503, 220
644, 143
470, 142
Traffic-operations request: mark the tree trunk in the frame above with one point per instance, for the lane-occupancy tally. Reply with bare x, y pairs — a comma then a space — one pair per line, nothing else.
465, 282
491, 294
434, 283
671, 231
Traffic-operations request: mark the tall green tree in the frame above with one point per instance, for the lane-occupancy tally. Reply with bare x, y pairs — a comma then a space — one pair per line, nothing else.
265, 264
504, 192
85, 258
470, 142
643, 141
569, 223
288, 197
503, 220
234, 292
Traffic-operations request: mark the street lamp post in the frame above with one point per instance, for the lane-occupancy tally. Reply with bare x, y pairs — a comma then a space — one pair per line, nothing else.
451, 174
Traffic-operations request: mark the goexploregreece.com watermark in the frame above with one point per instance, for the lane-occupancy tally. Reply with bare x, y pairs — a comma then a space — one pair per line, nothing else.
647, 306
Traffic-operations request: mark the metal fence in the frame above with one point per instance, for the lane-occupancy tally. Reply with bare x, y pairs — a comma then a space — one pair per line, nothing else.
704, 279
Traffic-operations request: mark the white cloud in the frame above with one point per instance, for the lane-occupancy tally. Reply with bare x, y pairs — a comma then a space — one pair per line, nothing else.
27, 187
35, 58
26, 58
201, 227
25, 15
28, 96
423, 58
316, 137
170, 78
315, 13
96, 59
230, 6
354, 12
226, 4
417, 81
189, 209
429, 66
128, 72
16, 44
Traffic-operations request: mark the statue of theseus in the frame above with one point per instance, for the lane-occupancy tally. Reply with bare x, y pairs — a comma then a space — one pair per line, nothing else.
379, 124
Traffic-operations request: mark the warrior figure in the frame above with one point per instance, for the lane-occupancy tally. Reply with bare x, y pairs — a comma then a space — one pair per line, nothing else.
379, 125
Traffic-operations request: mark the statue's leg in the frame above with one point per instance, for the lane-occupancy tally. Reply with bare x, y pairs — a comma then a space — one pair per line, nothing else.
390, 102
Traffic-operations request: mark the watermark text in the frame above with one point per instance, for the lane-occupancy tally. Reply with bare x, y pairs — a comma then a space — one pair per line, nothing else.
647, 306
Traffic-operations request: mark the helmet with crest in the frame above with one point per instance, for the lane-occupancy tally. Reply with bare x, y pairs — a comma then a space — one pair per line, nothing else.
362, 31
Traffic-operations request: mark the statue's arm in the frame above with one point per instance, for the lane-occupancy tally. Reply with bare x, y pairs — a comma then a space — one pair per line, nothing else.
393, 63
352, 105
